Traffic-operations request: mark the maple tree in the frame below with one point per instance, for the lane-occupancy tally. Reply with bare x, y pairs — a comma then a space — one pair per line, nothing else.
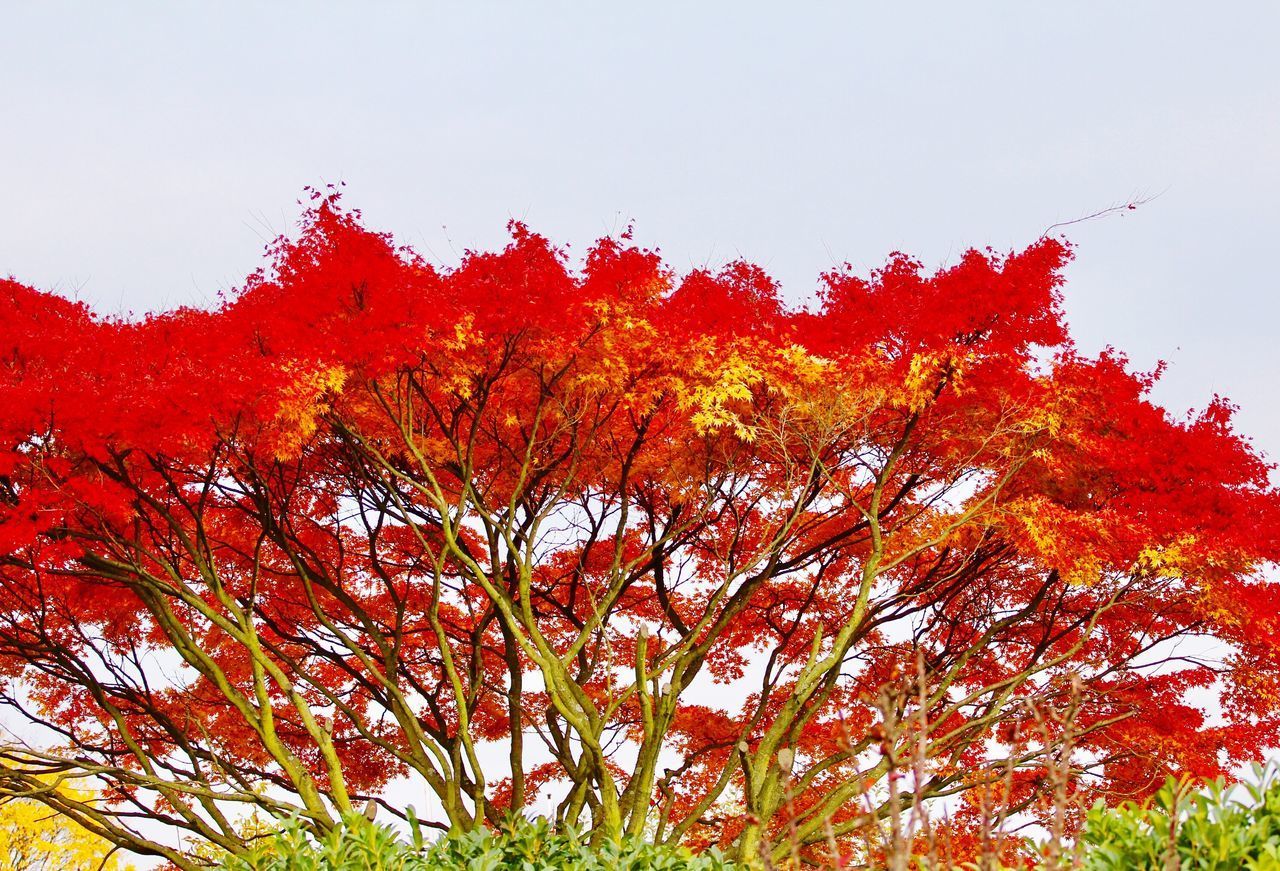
656, 553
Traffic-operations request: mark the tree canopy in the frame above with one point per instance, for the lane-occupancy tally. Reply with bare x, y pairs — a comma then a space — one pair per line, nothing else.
657, 551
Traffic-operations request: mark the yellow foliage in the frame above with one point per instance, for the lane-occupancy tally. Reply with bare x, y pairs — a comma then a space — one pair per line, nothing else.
251, 829
714, 401
465, 334
302, 405
1057, 543
35, 838
927, 373
1168, 561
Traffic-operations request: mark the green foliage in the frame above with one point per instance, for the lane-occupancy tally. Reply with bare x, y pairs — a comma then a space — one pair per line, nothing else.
356, 846
359, 845
1216, 828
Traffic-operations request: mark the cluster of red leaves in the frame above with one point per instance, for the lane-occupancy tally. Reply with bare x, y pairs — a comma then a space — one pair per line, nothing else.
1021, 479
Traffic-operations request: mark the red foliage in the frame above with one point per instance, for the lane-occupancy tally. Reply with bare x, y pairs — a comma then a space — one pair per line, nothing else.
361, 468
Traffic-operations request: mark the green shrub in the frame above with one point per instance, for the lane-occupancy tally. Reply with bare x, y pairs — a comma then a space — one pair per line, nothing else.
1216, 828
359, 845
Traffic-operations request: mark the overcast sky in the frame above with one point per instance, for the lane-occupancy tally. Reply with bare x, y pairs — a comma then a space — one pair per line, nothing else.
148, 151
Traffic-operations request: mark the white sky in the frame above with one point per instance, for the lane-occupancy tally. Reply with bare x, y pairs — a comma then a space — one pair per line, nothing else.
147, 150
